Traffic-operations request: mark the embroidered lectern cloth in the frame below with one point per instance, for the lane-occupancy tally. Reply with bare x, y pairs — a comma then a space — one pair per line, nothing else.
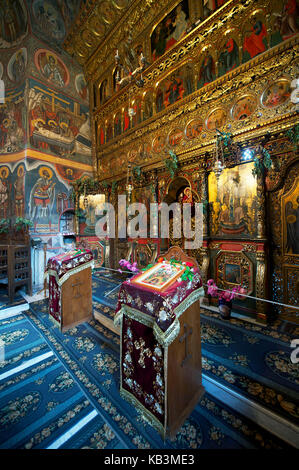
59, 269
149, 322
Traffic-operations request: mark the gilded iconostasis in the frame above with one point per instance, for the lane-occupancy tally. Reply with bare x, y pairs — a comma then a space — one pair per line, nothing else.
93, 87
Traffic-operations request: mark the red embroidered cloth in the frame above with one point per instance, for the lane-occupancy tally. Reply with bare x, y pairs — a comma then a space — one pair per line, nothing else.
59, 268
150, 322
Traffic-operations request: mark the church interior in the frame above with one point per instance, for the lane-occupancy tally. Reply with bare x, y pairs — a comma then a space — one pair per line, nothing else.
149, 224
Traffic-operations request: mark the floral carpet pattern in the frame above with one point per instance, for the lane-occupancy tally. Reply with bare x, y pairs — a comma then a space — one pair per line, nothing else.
62, 391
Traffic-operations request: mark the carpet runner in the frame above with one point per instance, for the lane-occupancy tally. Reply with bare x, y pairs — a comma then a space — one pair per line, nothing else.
61, 391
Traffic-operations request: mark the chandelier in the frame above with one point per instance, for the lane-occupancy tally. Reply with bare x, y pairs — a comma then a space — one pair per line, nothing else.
218, 165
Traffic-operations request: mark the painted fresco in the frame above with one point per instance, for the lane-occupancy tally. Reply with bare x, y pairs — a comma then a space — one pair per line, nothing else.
52, 68
233, 202
170, 30
81, 86
57, 124
47, 17
16, 67
13, 22
5, 188
12, 123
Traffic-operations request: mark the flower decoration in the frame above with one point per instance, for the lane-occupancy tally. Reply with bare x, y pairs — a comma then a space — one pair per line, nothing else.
236, 292
126, 264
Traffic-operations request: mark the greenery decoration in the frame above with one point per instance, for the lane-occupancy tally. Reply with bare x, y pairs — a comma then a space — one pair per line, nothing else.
4, 225
171, 163
262, 162
22, 224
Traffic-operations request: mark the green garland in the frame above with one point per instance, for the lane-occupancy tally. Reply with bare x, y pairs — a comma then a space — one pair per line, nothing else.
262, 162
171, 163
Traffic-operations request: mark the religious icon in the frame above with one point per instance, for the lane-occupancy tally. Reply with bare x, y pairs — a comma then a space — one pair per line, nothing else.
17, 65
244, 107
290, 209
229, 57
170, 29
255, 39
147, 107
19, 188
174, 90
159, 144
175, 137
277, 93
52, 68
209, 6
13, 22
193, 128
48, 18
160, 276
42, 194
207, 71
285, 21
4, 201
232, 273
216, 119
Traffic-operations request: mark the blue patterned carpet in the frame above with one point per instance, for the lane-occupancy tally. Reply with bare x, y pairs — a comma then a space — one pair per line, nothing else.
61, 391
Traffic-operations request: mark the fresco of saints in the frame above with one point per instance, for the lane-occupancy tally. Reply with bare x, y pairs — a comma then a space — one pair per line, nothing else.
19, 192
51, 71
42, 195
3, 192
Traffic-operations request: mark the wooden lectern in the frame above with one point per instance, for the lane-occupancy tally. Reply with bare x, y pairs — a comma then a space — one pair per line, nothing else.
70, 288
161, 346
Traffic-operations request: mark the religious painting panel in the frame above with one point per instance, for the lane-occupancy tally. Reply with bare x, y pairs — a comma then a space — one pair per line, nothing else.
160, 103
244, 107
233, 203
160, 276
210, 6
13, 23
159, 143
175, 137
173, 88
188, 78
19, 191
276, 93
207, 71
193, 128
117, 124
234, 268
52, 68
103, 90
109, 132
216, 119
290, 220
144, 254
229, 56
170, 30
284, 20
17, 65
91, 210
254, 37
147, 106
